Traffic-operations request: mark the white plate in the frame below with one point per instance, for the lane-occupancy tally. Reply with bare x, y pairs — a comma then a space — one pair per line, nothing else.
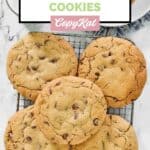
139, 9
13, 5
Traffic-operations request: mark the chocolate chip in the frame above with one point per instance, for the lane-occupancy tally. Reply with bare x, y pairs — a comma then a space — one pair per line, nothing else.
10, 134
15, 146
46, 122
34, 68
28, 138
102, 67
116, 145
38, 45
28, 68
46, 143
110, 117
25, 123
121, 69
30, 95
31, 114
37, 79
97, 73
103, 144
50, 91
133, 99
55, 104
70, 147
108, 135
52, 139
142, 67
19, 59
39, 146
82, 83
75, 106
86, 102
49, 80
47, 106
54, 60
42, 57
58, 83
46, 41
96, 121
81, 62
33, 127
65, 135
109, 54
113, 61
96, 46
123, 54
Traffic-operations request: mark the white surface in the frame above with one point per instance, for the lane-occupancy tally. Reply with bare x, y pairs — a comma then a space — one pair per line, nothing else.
8, 96
142, 107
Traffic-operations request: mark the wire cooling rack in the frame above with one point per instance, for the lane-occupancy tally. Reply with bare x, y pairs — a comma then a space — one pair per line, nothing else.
79, 42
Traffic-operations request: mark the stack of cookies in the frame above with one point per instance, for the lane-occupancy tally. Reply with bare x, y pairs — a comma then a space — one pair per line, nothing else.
71, 98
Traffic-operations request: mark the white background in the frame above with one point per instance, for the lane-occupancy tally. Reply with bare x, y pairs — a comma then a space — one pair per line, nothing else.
38, 10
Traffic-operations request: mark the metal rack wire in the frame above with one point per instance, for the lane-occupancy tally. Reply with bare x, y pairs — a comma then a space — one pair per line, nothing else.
79, 42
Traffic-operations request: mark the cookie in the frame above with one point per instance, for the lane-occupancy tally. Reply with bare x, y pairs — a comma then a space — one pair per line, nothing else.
117, 66
22, 133
115, 134
37, 59
69, 110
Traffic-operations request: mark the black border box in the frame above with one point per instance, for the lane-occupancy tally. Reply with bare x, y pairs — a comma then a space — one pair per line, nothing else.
129, 21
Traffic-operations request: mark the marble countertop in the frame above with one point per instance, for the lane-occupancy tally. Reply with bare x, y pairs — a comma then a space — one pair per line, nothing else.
11, 30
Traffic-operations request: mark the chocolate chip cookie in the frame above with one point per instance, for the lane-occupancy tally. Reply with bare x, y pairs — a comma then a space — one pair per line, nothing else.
69, 110
115, 134
37, 59
117, 66
22, 133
